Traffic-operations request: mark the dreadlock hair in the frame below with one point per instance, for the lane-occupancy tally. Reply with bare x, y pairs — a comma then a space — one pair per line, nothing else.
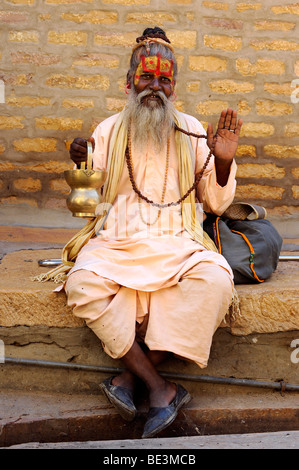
154, 49
153, 33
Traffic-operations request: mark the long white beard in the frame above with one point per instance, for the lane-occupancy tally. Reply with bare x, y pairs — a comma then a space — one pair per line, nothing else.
152, 122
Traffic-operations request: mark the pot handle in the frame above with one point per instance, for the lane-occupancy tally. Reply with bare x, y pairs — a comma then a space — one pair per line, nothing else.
89, 157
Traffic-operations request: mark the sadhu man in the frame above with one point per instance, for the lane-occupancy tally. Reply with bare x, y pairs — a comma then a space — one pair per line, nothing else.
146, 278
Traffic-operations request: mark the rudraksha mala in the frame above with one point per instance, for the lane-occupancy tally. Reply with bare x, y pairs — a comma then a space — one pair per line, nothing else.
192, 188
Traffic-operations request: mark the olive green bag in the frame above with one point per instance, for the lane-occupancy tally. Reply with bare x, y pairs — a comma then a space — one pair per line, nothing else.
248, 241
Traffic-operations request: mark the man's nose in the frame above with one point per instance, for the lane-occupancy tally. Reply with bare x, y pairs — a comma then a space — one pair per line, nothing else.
155, 84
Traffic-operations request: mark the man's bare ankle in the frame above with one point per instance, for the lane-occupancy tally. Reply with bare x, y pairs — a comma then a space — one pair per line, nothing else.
162, 397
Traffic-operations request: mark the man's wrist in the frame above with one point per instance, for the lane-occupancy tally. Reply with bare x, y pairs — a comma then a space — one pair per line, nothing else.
222, 171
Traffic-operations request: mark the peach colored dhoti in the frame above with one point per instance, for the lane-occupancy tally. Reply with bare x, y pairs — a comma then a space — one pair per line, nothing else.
180, 319
156, 280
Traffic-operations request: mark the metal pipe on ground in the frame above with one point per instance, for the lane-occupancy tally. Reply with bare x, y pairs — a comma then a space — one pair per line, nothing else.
51, 262
280, 386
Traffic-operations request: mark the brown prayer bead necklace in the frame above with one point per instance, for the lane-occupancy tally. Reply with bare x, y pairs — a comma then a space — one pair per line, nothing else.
162, 205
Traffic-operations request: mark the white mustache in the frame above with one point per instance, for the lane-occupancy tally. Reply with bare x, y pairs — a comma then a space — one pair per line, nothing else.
155, 94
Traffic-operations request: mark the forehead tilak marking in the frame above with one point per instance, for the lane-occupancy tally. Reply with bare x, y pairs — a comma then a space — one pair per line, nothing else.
146, 61
157, 70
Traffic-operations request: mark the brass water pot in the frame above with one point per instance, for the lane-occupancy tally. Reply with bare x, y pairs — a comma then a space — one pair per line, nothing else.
85, 184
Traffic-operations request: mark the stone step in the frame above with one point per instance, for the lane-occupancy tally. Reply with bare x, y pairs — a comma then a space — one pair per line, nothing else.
33, 416
49, 404
35, 323
189, 446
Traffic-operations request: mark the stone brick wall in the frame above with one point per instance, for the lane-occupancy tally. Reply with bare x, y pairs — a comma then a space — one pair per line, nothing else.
63, 65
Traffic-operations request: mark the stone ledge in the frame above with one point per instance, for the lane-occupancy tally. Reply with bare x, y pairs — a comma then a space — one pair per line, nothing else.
269, 307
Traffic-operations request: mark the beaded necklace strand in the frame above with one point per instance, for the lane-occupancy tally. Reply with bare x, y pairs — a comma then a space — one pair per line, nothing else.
131, 173
198, 177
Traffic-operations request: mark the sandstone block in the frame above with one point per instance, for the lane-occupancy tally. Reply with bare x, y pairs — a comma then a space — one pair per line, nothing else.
256, 191
295, 172
282, 151
261, 66
255, 170
257, 129
182, 39
180, 2
99, 82
278, 88
58, 2
23, 36
45, 17
215, 5
36, 58
115, 39
128, 2
207, 63
210, 107
115, 104
18, 200
11, 122
95, 60
246, 150
13, 16
31, 101
35, 145
159, 18
58, 124
77, 103
274, 26
28, 184
193, 87
60, 185
243, 108
272, 108
271, 305
93, 17
295, 191
248, 6
231, 86
17, 79
52, 167
225, 43
275, 45
73, 38
291, 129
224, 23
55, 203
292, 8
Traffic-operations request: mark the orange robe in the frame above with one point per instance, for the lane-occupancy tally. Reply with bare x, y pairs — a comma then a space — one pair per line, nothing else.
156, 276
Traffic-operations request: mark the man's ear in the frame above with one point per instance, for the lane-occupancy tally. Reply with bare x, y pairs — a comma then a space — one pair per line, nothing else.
129, 80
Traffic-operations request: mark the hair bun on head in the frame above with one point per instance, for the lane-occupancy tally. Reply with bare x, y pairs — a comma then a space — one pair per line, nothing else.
156, 32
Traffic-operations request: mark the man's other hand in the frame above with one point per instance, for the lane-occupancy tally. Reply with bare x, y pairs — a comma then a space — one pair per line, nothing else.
78, 150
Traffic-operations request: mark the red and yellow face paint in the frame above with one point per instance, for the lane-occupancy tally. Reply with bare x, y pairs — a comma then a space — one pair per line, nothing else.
156, 65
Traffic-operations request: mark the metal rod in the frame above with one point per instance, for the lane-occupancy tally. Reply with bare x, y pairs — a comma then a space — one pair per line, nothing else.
281, 385
56, 261
50, 262
289, 258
